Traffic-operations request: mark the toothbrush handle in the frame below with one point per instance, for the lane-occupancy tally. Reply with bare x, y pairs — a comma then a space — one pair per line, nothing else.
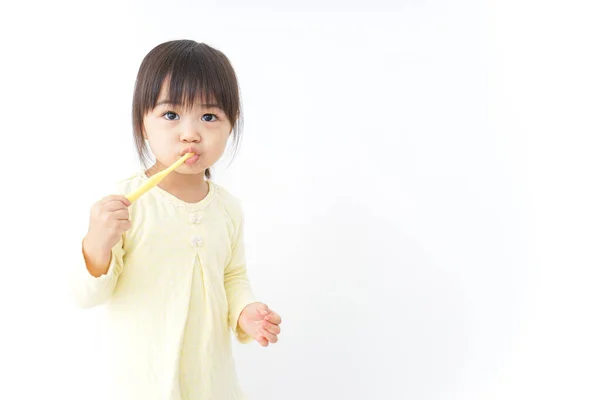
155, 179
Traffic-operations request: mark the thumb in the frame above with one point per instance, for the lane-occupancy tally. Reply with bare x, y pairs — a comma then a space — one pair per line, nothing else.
264, 310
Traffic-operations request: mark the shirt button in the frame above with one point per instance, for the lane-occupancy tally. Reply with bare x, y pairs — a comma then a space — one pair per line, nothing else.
195, 219
196, 241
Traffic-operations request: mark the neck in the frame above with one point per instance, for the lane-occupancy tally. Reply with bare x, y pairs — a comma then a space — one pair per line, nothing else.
190, 188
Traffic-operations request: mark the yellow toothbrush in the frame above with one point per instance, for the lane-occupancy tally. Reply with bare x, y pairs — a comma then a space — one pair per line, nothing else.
156, 179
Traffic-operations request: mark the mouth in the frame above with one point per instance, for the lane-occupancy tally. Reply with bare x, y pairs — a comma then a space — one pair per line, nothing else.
192, 159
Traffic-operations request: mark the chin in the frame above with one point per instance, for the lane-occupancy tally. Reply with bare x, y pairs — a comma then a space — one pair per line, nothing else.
193, 169
197, 171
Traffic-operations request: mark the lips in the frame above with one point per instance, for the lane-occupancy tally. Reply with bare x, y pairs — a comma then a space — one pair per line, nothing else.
189, 150
192, 159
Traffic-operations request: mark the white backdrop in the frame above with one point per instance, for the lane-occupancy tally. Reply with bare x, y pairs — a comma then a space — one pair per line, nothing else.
419, 180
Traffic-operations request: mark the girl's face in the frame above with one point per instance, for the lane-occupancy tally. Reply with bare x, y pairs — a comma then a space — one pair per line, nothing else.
173, 130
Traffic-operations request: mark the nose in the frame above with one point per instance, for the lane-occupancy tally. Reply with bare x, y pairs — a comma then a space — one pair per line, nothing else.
190, 133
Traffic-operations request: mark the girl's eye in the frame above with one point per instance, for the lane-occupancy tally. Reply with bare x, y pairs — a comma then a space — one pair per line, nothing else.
205, 116
171, 116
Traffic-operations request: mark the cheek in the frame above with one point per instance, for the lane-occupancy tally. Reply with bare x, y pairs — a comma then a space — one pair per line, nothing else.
220, 140
218, 135
159, 141
150, 128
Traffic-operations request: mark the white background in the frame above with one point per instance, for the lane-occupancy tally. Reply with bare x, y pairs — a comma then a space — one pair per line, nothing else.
420, 182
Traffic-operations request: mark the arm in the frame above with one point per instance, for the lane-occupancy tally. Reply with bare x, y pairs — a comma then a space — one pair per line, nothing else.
237, 286
93, 278
92, 281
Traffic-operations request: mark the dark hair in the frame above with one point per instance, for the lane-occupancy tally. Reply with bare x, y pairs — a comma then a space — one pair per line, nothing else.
194, 72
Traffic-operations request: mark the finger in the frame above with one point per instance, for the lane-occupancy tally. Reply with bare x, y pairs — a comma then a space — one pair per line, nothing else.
274, 318
268, 335
125, 225
274, 329
114, 205
264, 310
115, 197
262, 341
121, 214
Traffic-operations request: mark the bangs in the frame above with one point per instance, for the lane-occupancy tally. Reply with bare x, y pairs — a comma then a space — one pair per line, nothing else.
187, 90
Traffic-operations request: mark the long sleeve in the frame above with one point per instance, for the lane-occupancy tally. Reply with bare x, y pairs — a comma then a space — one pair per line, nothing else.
237, 285
88, 291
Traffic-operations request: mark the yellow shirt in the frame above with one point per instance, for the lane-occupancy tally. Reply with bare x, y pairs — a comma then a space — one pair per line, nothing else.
173, 293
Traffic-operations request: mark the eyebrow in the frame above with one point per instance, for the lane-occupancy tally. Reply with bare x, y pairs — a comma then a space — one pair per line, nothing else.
171, 103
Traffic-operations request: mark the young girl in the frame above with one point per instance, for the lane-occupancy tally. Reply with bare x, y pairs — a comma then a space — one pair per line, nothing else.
170, 268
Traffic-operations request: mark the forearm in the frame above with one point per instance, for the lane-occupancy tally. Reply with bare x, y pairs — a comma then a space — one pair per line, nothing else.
97, 260
239, 295
92, 281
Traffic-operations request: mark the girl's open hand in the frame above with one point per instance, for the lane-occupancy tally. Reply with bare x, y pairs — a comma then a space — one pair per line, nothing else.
260, 323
